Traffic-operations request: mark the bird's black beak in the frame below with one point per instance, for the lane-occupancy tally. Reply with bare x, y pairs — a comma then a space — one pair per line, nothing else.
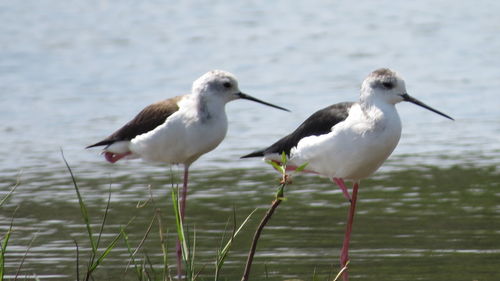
248, 97
411, 99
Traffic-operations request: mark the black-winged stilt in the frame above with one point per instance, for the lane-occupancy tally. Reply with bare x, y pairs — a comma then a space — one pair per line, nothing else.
179, 130
350, 140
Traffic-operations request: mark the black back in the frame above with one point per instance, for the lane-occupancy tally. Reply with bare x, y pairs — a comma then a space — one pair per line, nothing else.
319, 123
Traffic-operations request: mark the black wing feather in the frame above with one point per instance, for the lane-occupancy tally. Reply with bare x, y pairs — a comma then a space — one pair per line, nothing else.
149, 118
319, 123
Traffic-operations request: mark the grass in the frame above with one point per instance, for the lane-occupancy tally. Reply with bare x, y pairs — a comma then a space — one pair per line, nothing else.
96, 257
5, 240
279, 197
189, 249
3, 249
91, 259
145, 270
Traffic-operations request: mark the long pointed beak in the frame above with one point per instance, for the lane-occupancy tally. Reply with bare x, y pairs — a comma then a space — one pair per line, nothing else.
411, 99
248, 97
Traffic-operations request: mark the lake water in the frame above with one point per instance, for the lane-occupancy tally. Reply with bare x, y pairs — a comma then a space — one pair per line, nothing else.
73, 71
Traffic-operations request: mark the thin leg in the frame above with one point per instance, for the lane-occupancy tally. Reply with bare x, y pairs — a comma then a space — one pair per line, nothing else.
341, 184
344, 255
183, 211
184, 192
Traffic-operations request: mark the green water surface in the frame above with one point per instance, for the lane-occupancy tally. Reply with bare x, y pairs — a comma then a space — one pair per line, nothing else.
422, 223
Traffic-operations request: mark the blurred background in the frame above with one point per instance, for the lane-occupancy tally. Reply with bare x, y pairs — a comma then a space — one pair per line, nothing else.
71, 72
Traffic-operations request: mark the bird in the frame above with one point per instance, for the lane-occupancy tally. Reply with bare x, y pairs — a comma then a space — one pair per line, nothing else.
179, 130
348, 141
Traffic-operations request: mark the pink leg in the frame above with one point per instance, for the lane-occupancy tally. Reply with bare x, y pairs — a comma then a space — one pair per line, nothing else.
184, 192
182, 211
341, 184
344, 255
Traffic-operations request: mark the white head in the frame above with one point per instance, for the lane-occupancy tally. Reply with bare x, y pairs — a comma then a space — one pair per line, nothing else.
385, 85
217, 83
222, 86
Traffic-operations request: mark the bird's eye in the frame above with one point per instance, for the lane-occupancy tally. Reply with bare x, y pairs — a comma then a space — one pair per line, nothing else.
388, 85
227, 85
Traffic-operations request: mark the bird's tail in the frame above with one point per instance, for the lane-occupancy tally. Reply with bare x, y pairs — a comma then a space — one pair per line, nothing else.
101, 143
258, 153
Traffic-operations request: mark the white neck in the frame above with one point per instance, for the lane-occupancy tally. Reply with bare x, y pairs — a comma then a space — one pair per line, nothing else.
380, 112
203, 108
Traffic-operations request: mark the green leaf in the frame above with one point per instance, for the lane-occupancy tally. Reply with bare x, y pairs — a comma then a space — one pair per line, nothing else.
301, 167
277, 166
283, 158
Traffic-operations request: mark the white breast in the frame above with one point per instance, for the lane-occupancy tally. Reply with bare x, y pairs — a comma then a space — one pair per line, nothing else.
181, 139
355, 148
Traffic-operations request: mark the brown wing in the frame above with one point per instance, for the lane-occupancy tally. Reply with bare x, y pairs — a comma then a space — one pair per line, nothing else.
149, 118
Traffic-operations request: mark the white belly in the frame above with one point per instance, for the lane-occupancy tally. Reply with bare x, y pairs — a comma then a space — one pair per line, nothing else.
180, 140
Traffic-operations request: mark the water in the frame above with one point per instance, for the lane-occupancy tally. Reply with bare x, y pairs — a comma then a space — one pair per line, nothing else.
439, 226
71, 72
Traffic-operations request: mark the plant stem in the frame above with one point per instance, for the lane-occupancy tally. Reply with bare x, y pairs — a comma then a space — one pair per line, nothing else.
267, 217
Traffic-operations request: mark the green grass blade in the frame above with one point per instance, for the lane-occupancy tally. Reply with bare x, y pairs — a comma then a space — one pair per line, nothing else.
151, 268
101, 229
219, 257
3, 249
228, 245
180, 227
146, 234
106, 252
24, 257
186, 254
83, 208
6, 197
178, 222
181, 235
166, 271
137, 268
224, 252
141, 243
3, 246
106, 211
192, 257
77, 260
